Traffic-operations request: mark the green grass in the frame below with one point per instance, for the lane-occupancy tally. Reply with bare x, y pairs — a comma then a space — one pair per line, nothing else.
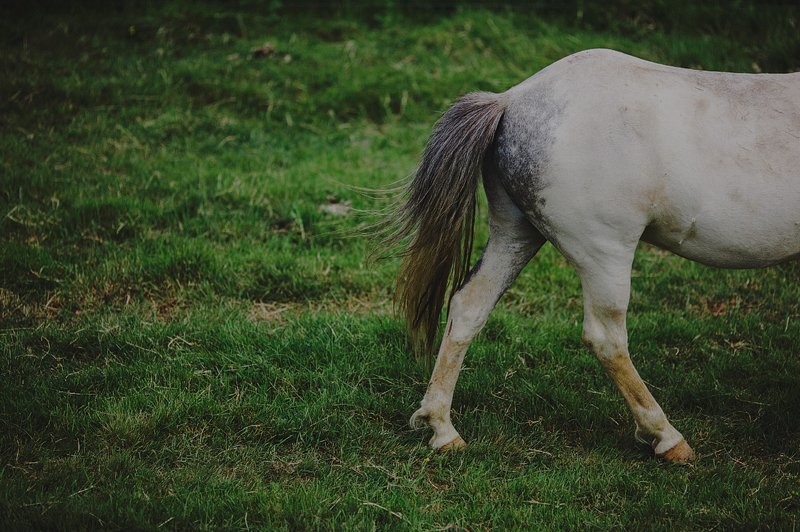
189, 341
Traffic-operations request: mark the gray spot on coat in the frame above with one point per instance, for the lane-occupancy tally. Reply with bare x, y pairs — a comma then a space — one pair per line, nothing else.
523, 146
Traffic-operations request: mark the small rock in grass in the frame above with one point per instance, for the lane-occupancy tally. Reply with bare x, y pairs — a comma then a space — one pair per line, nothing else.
264, 51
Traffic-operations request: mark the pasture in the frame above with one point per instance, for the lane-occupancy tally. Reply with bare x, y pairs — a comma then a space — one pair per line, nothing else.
193, 334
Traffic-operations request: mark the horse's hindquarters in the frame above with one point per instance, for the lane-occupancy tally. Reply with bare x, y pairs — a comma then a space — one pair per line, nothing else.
706, 165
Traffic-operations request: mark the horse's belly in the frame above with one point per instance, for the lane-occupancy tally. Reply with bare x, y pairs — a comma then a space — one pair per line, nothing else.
730, 238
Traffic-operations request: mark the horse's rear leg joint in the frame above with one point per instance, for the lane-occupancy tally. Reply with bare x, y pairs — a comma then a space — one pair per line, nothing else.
467, 315
608, 341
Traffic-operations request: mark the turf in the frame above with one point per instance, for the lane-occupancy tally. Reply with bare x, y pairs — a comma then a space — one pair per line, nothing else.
189, 340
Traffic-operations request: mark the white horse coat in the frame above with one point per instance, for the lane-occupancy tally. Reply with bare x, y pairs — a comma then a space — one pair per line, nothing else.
709, 162
594, 153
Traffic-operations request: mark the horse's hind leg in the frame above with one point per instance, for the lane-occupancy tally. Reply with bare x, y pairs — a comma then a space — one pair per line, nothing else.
605, 278
512, 243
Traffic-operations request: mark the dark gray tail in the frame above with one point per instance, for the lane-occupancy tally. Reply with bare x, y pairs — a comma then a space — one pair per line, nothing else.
439, 213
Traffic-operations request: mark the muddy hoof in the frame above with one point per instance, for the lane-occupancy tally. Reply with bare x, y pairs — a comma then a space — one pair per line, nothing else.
680, 454
457, 444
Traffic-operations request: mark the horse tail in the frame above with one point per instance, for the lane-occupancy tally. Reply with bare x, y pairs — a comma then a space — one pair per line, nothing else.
439, 214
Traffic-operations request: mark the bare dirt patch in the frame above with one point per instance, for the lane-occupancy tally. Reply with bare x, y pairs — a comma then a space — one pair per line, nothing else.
374, 303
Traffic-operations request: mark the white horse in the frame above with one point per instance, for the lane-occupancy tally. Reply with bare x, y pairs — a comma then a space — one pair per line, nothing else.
594, 153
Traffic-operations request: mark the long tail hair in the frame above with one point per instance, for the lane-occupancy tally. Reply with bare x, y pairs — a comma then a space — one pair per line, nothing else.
439, 214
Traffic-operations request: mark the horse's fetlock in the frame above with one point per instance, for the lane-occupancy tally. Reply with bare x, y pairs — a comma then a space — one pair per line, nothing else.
433, 411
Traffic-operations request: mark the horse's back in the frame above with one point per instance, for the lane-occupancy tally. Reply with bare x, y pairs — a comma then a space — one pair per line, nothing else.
707, 162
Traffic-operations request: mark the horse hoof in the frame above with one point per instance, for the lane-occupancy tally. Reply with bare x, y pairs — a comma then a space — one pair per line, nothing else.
456, 444
679, 454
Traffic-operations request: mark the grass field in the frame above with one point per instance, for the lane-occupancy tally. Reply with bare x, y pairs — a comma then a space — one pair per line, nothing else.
190, 341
